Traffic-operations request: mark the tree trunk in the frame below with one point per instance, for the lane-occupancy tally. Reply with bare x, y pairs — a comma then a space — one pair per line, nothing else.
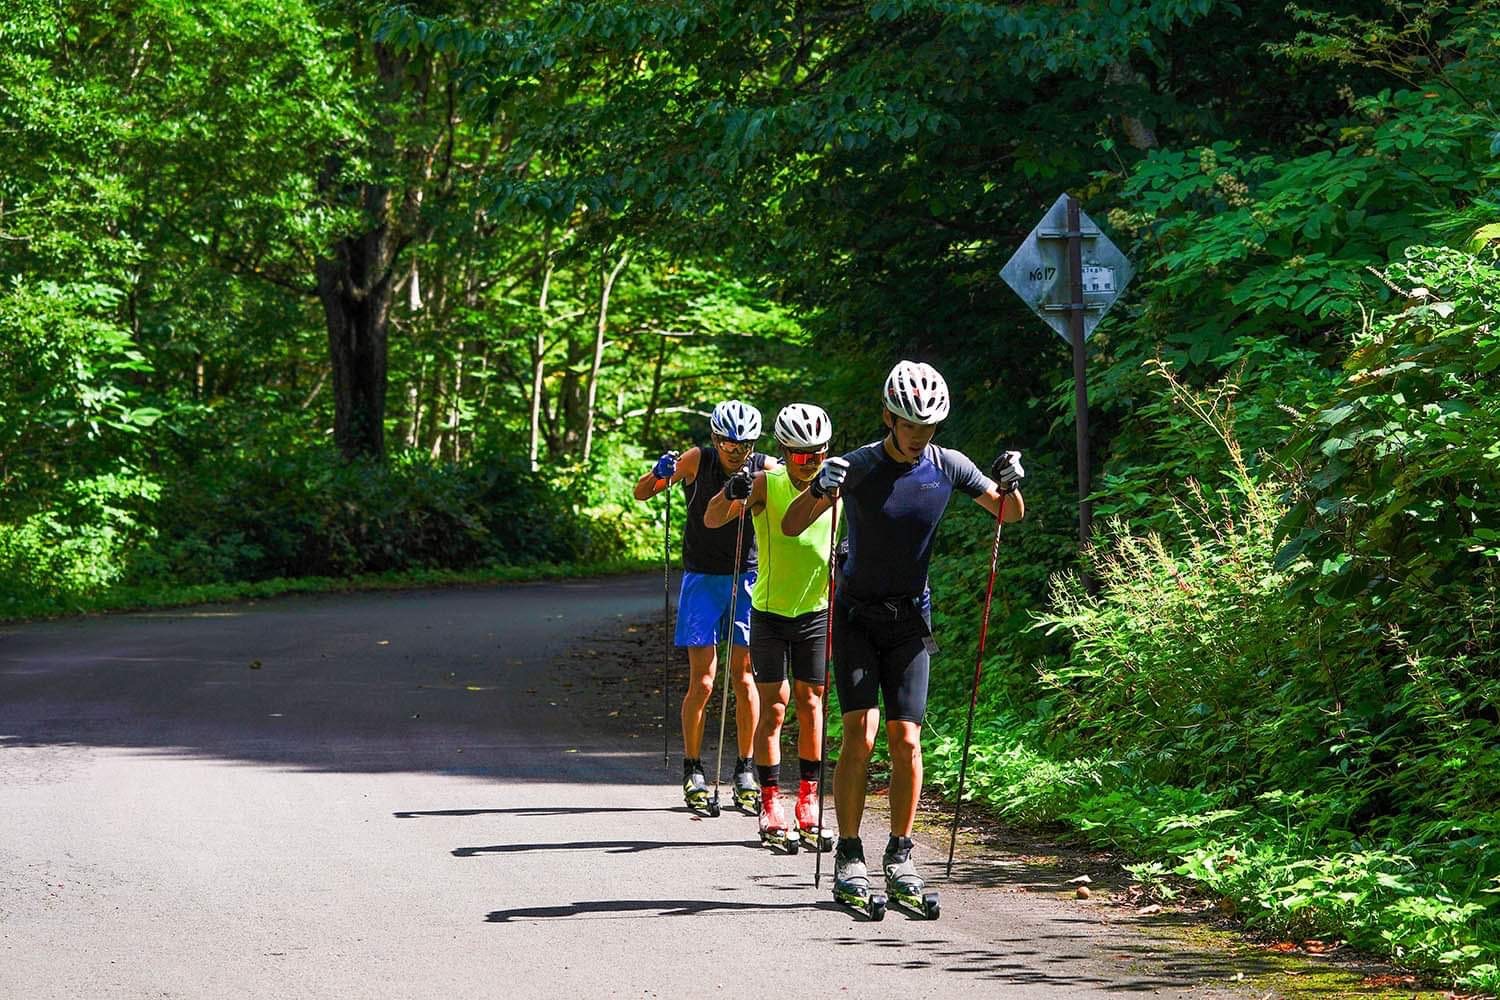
605, 289
354, 284
539, 353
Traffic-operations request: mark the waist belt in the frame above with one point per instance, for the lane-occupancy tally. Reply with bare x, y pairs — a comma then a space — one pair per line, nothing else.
892, 609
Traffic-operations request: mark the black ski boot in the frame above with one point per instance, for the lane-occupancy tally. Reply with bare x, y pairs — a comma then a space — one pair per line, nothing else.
906, 887
746, 788
851, 881
695, 788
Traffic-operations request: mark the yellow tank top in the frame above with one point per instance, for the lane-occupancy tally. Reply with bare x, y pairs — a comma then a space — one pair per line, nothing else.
793, 575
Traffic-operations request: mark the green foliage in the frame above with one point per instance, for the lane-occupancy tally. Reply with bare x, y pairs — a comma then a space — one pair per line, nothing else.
1220, 664
78, 545
68, 395
304, 515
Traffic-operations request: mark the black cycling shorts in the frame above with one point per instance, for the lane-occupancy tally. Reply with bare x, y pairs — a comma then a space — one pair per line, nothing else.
777, 642
875, 657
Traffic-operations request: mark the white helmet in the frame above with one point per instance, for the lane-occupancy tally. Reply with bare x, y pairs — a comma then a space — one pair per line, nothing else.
803, 427
916, 392
735, 420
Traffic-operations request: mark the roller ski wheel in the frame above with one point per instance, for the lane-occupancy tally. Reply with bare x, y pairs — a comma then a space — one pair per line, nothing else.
778, 840
813, 838
905, 887
851, 884
774, 832
871, 905
924, 905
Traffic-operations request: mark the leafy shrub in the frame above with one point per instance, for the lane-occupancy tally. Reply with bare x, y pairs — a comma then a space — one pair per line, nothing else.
307, 514
78, 544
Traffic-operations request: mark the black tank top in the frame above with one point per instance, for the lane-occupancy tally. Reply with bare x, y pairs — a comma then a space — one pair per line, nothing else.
711, 550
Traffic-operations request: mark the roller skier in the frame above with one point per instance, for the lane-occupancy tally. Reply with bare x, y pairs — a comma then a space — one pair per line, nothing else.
788, 619
711, 565
894, 494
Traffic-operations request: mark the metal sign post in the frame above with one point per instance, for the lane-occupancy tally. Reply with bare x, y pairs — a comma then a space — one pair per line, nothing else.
1069, 273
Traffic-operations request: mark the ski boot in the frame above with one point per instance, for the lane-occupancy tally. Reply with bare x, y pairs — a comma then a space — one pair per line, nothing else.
746, 788
774, 832
813, 838
905, 886
695, 789
851, 882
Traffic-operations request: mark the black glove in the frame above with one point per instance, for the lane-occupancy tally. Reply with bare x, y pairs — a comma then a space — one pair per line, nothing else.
738, 487
1006, 470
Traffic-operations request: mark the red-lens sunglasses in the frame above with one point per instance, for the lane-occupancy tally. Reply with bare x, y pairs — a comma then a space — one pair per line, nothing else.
806, 457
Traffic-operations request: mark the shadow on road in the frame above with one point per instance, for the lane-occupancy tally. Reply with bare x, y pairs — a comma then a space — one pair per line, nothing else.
603, 846
556, 682
1015, 962
539, 811
654, 907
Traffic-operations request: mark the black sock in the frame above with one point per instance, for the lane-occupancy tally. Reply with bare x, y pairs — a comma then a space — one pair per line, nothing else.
743, 764
809, 768
690, 765
769, 774
850, 847
900, 846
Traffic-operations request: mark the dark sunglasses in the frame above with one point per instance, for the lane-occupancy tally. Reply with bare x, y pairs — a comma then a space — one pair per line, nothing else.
729, 445
806, 457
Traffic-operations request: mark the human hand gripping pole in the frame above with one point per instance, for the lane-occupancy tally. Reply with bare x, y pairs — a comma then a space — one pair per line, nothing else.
827, 676
984, 628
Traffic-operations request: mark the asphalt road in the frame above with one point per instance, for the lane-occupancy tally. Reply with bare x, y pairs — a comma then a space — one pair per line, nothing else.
447, 794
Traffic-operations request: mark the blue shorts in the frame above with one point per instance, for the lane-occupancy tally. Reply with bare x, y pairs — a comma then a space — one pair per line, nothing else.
703, 609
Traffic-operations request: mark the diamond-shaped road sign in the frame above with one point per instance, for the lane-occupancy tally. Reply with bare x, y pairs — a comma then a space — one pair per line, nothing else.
1039, 271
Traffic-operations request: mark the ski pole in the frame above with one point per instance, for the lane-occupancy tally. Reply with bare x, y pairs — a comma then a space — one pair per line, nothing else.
734, 593
833, 547
666, 613
984, 628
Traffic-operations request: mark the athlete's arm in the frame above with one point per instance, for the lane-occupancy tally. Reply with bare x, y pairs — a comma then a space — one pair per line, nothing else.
687, 470
721, 510
803, 511
1015, 504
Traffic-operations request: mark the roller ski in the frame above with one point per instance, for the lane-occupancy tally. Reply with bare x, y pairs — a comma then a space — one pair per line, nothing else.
774, 832
695, 790
746, 788
906, 888
851, 882
812, 836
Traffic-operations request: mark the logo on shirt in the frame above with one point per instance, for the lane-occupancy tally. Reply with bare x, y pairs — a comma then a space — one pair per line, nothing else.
930, 486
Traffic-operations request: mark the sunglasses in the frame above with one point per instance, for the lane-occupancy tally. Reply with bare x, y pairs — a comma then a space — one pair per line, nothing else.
806, 457
729, 445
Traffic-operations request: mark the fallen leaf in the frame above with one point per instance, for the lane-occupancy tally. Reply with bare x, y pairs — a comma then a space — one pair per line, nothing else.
1081, 880
1146, 911
1389, 979
254, 664
382, 642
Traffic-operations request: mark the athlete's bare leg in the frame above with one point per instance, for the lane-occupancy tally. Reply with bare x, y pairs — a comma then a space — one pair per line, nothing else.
746, 700
854, 766
904, 739
702, 663
773, 698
